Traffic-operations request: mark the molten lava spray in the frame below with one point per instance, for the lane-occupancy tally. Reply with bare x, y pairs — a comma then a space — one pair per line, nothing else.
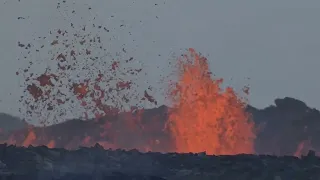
85, 78
205, 117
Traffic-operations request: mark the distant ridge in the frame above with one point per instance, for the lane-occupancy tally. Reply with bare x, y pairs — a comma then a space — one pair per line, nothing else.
281, 128
11, 123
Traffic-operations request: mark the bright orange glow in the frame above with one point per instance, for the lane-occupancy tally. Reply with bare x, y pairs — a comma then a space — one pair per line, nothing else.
205, 117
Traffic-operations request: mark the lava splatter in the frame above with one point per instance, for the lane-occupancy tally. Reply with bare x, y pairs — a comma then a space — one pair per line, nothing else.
204, 116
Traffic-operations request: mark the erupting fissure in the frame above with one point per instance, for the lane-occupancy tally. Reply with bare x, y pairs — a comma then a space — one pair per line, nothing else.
85, 78
82, 74
203, 116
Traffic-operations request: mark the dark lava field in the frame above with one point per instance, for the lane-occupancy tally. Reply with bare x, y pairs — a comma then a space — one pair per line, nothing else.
41, 163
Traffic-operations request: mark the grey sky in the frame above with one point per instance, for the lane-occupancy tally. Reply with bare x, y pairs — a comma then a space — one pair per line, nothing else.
274, 43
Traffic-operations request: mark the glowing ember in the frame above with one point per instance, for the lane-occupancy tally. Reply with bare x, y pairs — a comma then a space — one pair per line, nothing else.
204, 117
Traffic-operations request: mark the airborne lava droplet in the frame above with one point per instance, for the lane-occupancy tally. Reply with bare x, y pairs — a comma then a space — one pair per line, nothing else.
246, 90
149, 98
61, 57
45, 80
35, 91
54, 42
123, 85
115, 65
80, 89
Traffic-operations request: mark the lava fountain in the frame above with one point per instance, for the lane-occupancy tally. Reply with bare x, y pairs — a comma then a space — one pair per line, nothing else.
205, 117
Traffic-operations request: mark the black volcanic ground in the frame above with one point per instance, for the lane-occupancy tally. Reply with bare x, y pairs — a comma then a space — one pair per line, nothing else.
281, 127
95, 163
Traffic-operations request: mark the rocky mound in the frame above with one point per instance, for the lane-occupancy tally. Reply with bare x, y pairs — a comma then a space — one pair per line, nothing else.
286, 127
42, 163
10, 123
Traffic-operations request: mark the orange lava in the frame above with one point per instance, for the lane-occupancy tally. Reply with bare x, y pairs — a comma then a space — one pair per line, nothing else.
204, 116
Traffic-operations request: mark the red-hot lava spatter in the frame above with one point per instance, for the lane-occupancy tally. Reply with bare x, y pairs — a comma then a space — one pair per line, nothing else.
84, 79
204, 116
76, 79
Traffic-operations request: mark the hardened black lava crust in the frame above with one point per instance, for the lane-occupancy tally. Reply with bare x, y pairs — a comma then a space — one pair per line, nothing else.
42, 163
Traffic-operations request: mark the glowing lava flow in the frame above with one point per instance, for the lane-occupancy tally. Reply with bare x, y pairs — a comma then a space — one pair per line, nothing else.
205, 117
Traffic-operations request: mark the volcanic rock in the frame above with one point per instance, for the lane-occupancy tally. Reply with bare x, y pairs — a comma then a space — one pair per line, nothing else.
285, 126
42, 163
10, 123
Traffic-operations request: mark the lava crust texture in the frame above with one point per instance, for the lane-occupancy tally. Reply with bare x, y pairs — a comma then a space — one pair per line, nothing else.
42, 163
